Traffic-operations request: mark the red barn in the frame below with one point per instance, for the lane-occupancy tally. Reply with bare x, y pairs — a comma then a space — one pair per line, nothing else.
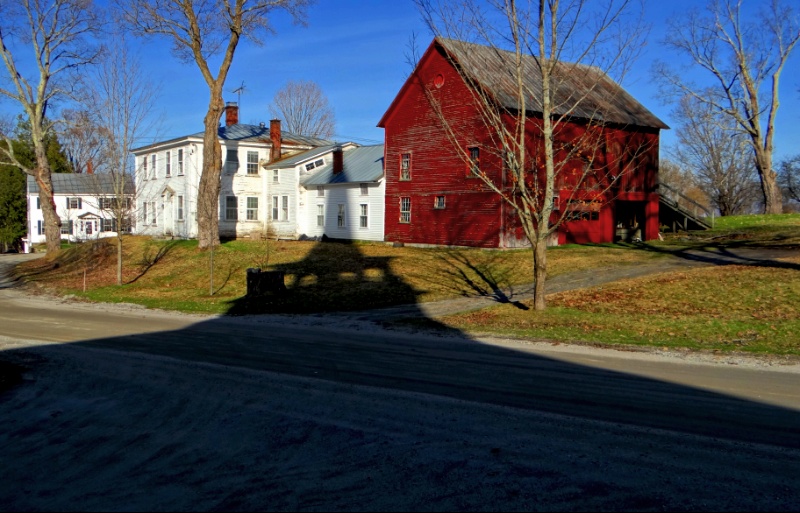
433, 198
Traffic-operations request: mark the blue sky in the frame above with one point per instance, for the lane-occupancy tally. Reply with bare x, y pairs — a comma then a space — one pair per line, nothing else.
354, 49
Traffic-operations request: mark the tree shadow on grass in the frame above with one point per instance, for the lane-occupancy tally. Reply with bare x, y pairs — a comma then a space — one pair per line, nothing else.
729, 254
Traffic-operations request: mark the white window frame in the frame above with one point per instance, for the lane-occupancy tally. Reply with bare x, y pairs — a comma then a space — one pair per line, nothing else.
275, 207
231, 164
231, 212
276, 176
154, 213
405, 210
167, 163
364, 189
180, 205
252, 166
153, 173
405, 167
363, 218
252, 208
341, 216
180, 162
144, 167
321, 216
320, 191
439, 205
107, 225
284, 208
78, 203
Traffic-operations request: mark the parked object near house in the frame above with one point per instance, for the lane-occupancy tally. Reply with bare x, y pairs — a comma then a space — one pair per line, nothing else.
261, 193
86, 204
433, 195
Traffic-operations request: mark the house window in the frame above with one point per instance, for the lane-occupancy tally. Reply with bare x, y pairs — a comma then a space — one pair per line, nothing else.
438, 202
39, 228
180, 162
474, 161
364, 189
340, 218
180, 208
66, 229
168, 163
284, 208
153, 212
152, 166
363, 218
275, 200
231, 208
144, 212
319, 162
582, 210
74, 203
105, 203
276, 176
309, 166
232, 162
38, 203
405, 166
320, 191
252, 208
252, 162
405, 210
107, 225
144, 167
321, 216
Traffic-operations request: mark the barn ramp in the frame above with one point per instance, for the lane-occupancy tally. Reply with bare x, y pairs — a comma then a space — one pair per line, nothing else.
679, 212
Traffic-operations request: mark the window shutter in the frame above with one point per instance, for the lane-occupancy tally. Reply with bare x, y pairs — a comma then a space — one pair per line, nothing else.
80, 203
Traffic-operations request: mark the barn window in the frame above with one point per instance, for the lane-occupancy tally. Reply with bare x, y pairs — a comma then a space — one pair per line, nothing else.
405, 166
438, 202
405, 210
582, 210
474, 161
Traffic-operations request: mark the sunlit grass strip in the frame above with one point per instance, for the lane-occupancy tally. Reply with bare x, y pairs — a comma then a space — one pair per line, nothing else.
749, 309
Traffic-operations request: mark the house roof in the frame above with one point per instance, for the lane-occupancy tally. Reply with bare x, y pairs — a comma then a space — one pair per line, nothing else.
581, 91
299, 158
248, 133
362, 164
98, 184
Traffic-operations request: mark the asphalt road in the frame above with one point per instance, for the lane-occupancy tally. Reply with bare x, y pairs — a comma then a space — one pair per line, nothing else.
122, 408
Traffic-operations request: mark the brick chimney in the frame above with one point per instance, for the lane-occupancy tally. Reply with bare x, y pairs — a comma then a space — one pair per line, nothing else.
231, 113
338, 160
275, 137
89, 167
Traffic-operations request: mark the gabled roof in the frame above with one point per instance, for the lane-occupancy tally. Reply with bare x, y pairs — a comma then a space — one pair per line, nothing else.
581, 91
248, 133
362, 164
299, 158
99, 184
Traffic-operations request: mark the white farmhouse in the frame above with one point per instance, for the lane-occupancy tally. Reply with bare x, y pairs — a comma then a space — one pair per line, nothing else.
168, 178
84, 202
274, 183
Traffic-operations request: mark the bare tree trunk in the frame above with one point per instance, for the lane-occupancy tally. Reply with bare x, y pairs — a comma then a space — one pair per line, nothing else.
773, 199
208, 193
539, 272
119, 252
52, 222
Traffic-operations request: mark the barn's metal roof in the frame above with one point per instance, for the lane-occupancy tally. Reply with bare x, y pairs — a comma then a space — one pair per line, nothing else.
98, 184
362, 164
581, 91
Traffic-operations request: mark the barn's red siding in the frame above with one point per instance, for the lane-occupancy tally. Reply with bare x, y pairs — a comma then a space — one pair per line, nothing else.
474, 215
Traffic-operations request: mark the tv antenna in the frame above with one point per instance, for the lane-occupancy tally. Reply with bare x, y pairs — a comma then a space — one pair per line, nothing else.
239, 90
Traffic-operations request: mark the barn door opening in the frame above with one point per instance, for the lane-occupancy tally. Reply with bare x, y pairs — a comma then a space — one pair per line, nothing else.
630, 221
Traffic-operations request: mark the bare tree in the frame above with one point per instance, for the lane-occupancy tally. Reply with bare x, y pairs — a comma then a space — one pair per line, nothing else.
683, 188
51, 33
544, 117
122, 99
304, 109
81, 139
744, 57
202, 30
789, 177
718, 155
